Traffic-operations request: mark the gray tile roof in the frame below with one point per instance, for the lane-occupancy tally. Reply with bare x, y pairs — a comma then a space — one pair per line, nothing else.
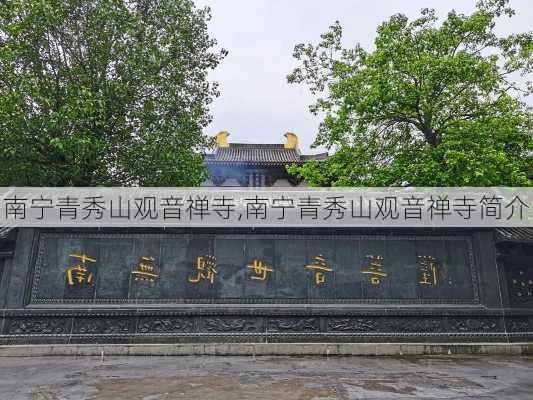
514, 234
257, 154
4, 231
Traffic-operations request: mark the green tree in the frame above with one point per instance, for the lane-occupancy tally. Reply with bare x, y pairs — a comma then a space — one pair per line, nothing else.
435, 104
104, 92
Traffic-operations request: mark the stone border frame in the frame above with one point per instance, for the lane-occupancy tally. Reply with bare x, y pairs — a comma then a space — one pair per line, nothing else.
38, 264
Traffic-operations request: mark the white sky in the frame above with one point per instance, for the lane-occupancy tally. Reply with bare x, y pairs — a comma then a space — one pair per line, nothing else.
257, 105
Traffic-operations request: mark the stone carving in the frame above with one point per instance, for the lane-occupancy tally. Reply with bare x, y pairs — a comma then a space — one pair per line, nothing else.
148, 286
229, 325
352, 325
293, 325
413, 325
45, 326
165, 325
101, 326
287, 307
521, 286
518, 325
473, 325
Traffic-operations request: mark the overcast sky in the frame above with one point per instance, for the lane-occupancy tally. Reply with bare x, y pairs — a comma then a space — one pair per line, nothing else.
256, 103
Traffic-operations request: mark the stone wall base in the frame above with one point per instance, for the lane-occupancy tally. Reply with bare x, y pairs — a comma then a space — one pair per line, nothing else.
268, 349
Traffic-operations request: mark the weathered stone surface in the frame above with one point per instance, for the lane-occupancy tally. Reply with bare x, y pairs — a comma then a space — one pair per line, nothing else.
149, 287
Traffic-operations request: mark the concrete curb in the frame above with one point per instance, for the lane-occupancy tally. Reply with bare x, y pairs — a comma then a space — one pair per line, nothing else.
268, 349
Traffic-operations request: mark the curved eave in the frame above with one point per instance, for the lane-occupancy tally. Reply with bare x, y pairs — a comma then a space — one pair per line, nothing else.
515, 235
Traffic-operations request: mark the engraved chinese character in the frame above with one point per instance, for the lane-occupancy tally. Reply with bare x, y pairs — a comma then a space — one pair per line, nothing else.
375, 268
79, 274
320, 267
206, 269
260, 270
146, 270
428, 269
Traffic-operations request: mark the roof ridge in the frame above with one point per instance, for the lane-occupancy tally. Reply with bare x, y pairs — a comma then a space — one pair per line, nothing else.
257, 145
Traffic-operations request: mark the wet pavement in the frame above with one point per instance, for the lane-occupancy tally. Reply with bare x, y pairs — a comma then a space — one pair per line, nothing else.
279, 378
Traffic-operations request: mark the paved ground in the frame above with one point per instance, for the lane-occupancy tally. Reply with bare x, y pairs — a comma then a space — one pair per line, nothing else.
279, 378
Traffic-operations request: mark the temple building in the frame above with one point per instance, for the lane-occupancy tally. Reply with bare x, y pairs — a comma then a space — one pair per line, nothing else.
256, 165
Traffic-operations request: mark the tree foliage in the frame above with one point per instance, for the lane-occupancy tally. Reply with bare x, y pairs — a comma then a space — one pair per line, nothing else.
434, 104
104, 92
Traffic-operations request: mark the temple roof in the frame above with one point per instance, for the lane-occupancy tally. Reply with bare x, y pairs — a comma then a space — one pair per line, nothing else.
244, 153
258, 153
514, 234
